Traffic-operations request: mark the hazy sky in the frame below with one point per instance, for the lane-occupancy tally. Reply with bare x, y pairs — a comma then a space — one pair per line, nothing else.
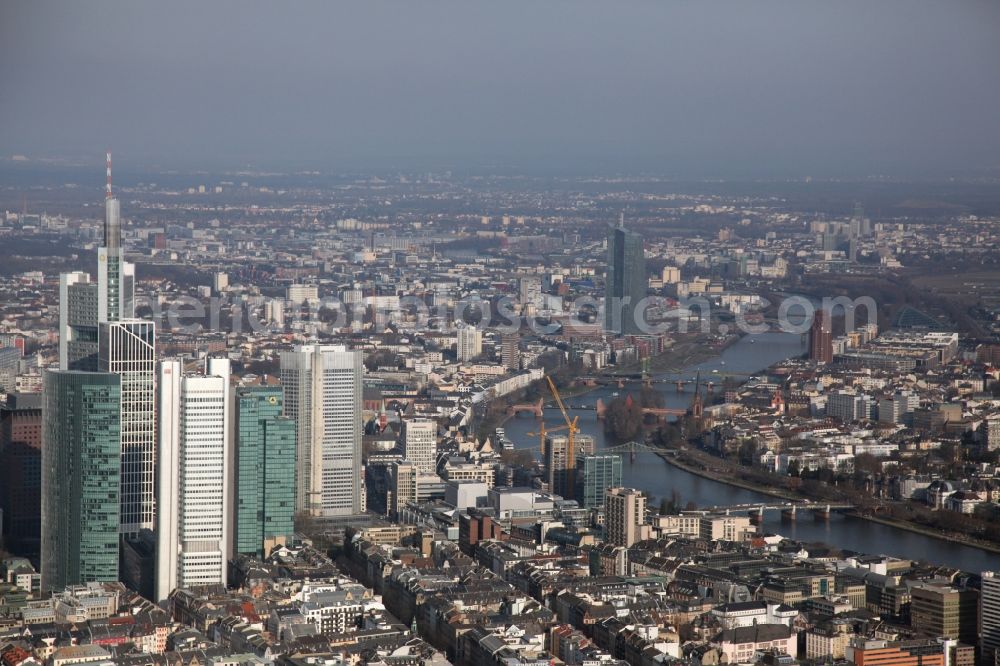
691, 87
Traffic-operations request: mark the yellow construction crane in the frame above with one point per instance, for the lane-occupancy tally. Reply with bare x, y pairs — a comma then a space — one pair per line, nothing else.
571, 428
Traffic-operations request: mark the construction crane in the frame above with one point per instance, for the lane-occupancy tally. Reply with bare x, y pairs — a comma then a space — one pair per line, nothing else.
571, 429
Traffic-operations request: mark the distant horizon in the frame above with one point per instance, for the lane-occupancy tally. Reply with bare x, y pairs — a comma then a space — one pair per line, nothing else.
852, 89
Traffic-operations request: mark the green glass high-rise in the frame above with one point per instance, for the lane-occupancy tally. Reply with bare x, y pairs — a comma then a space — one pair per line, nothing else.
81, 467
595, 474
265, 471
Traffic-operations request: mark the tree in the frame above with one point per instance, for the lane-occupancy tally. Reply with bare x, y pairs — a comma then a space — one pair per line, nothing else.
793, 468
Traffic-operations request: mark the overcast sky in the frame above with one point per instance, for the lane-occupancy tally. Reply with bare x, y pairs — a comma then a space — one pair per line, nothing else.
688, 87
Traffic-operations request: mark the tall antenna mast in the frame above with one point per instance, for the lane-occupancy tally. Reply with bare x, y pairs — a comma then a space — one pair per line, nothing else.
107, 189
621, 217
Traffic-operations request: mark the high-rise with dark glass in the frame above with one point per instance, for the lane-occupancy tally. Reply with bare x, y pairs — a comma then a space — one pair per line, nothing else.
625, 283
265, 471
81, 457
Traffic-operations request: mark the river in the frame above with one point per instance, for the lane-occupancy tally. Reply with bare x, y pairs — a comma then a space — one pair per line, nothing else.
648, 472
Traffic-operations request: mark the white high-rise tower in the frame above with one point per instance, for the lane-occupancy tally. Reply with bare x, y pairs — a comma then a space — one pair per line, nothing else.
193, 532
322, 386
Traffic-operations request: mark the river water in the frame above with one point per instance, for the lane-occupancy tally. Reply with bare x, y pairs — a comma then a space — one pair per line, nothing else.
648, 472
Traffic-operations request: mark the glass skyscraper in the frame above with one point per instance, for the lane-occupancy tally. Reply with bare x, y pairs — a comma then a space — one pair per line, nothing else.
625, 282
265, 470
595, 474
80, 477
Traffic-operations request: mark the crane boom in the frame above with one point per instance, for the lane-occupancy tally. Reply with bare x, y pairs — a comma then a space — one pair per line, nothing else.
572, 429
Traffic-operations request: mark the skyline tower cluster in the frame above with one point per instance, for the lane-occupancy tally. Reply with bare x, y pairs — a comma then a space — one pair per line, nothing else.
140, 447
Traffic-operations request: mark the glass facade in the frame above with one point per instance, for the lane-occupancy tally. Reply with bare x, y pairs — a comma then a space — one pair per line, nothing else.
596, 474
625, 282
80, 478
265, 470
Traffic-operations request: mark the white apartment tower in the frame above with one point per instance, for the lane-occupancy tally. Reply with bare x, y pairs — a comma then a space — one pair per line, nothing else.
322, 385
470, 343
624, 515
420, 444
193, 528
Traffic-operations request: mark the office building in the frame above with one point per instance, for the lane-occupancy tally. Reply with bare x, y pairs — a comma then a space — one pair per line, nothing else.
81, 465
420, 444
557, 464
626, 283
98, 332
821, 338
595, 474
624, 516
78, 323
265, 471
470, 343
946, 611
405, 485
989, 617
127, 348
322, 385
193, 530
21, 472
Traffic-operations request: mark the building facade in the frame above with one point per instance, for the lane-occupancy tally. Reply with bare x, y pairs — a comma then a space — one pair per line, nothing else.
193, 530
626, 282
322, 386
595, 474
128, 349
265, 471
624, 516
420, 444
21, 472
81, 466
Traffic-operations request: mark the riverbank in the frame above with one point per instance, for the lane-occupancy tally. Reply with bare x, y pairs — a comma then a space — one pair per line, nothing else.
773, 492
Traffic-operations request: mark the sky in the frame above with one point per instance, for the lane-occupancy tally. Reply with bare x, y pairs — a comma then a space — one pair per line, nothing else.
695, 88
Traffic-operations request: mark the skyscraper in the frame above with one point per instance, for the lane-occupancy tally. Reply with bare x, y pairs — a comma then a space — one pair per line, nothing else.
98, 332
626, 282
115, 276
193, 531
265, 471
21, 472
989, 617
821, 338
127, 348
78, 324
596, 473
322, 386
420, 444
80, 477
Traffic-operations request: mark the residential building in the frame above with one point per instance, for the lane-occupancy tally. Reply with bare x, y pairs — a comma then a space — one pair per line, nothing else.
470, 343
624, 516
420, 444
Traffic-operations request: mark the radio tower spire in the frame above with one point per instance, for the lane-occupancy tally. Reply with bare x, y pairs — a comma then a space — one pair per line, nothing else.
107, 189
